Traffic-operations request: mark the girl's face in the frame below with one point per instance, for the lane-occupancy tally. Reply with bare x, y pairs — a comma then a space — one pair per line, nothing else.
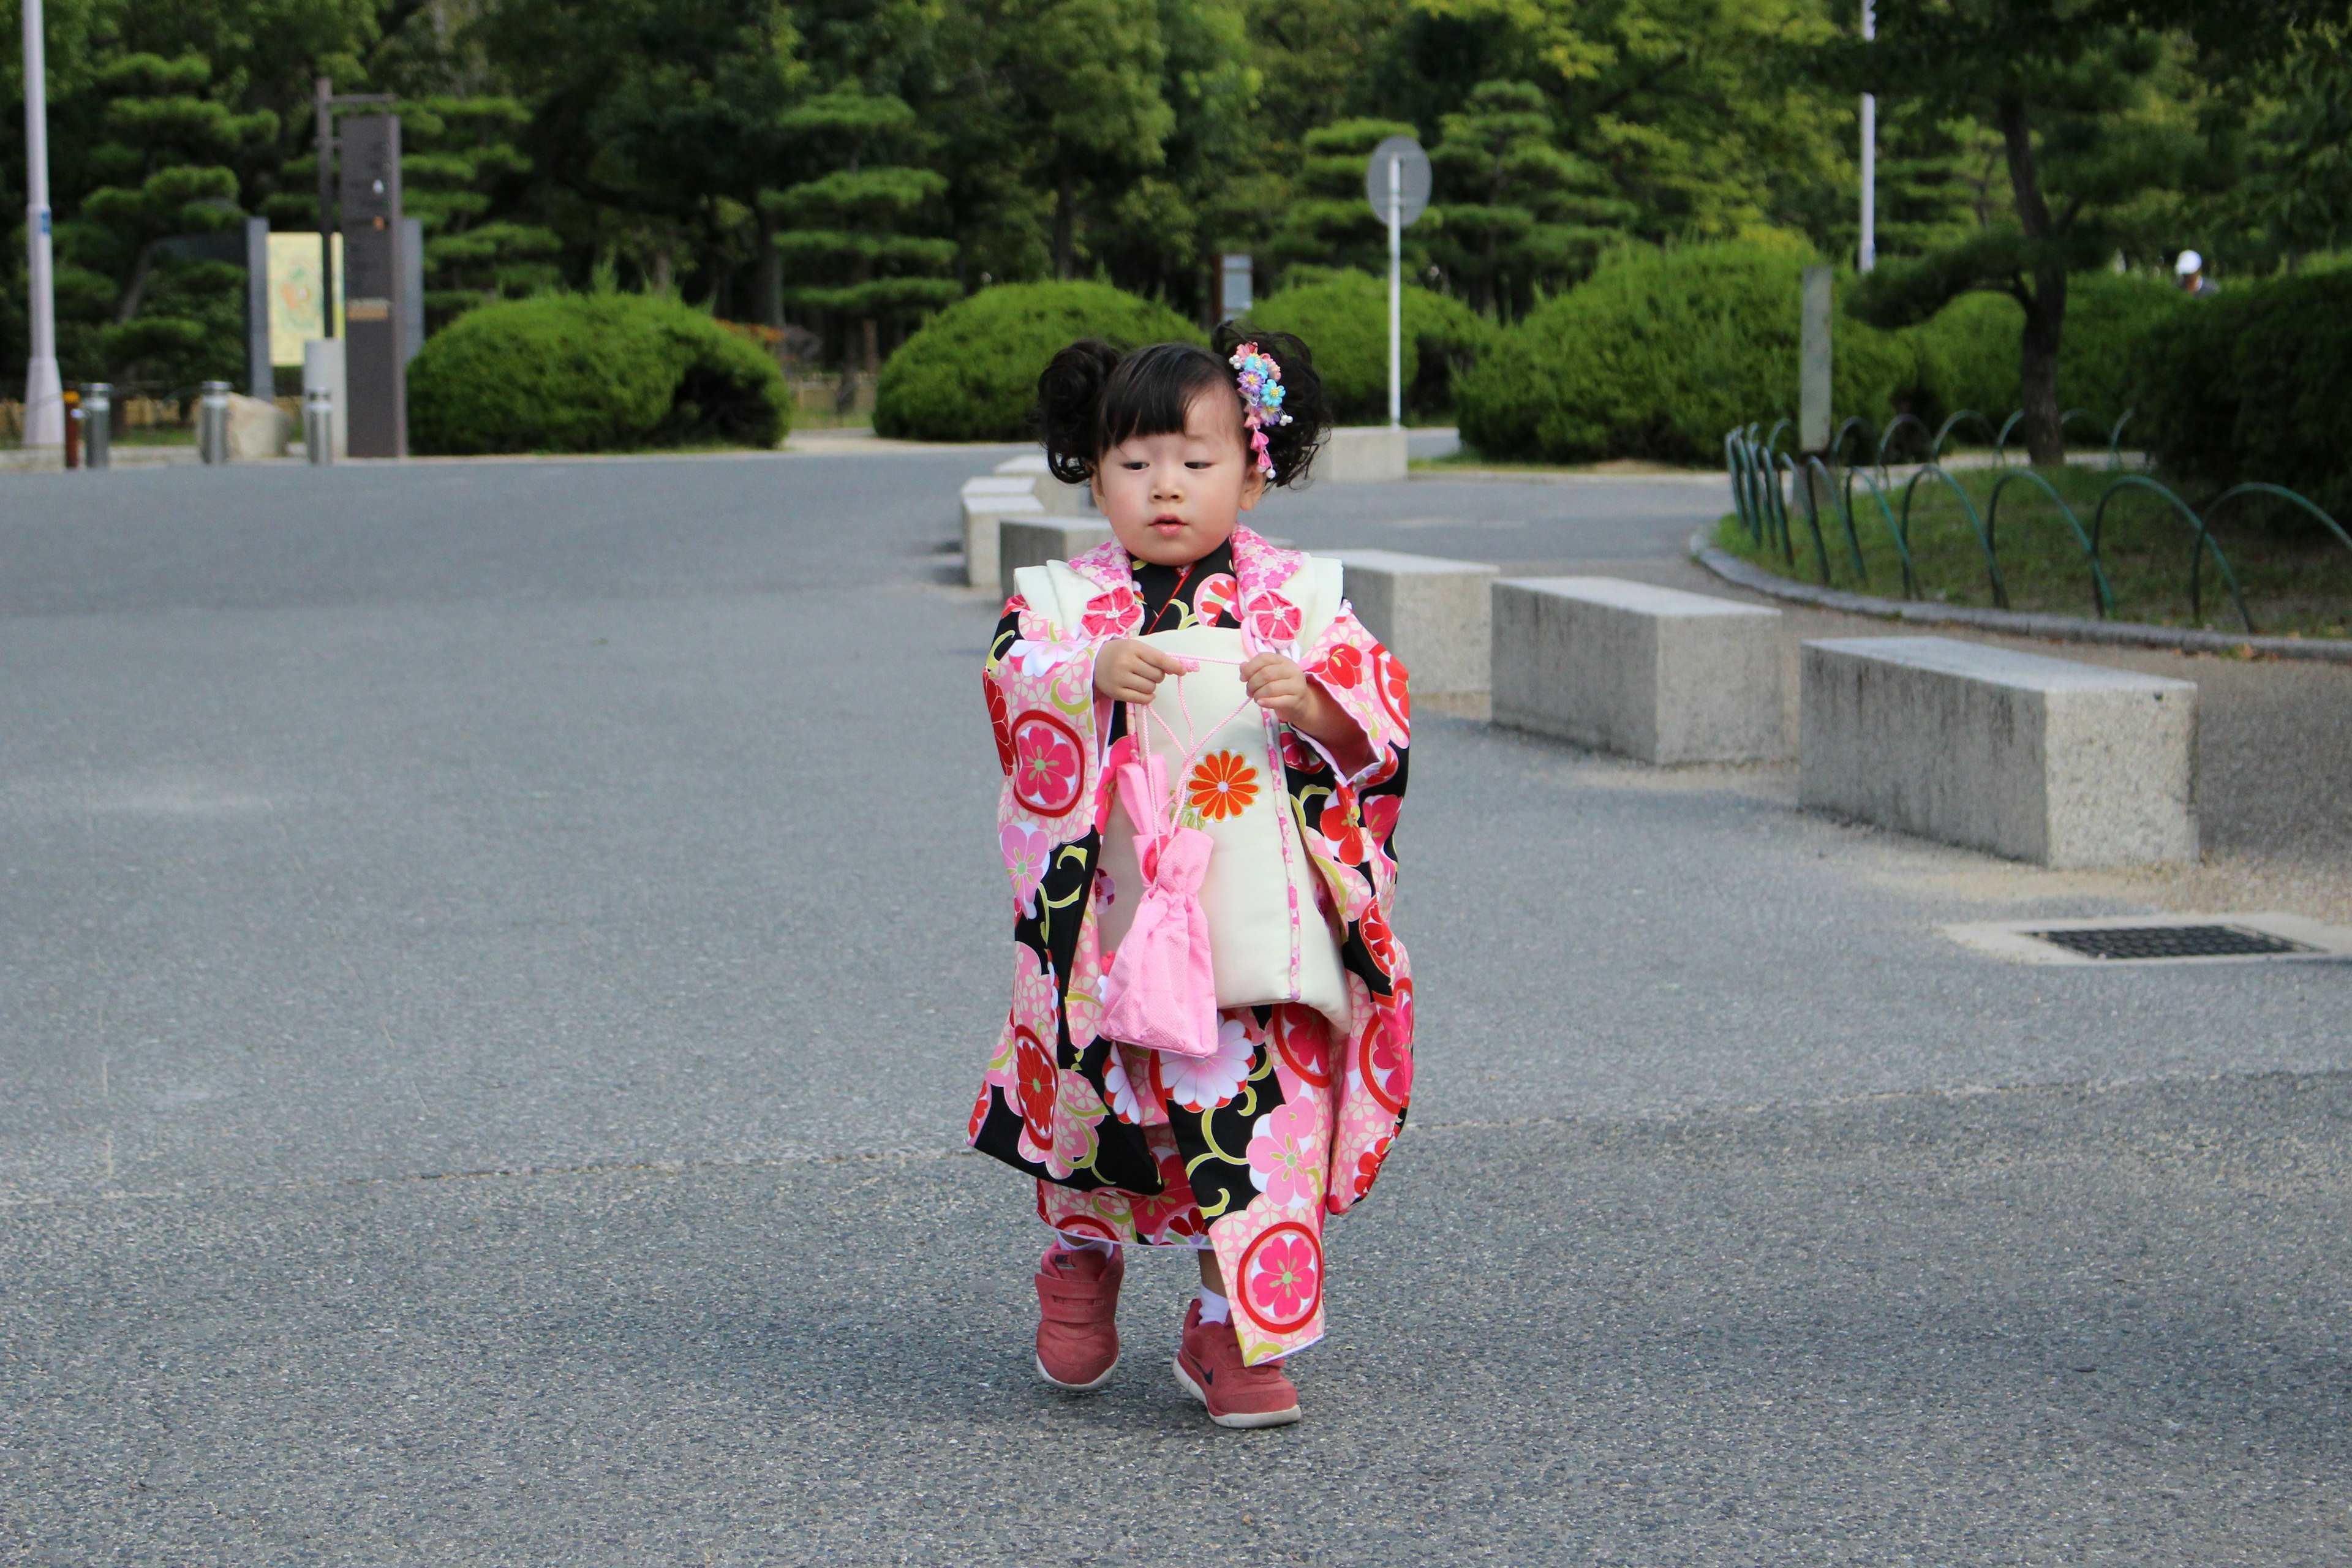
1172, 499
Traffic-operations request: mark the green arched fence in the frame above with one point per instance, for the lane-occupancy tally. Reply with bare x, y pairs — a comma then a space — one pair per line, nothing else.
1764, 475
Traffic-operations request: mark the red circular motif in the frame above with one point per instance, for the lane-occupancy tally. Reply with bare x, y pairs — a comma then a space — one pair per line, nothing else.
980, 1111
1300, 1284
1393, 678
1386, 1064
1048, 763
1001, 722
1305, 1041
1032, 1067
1084, 1224
1111, 613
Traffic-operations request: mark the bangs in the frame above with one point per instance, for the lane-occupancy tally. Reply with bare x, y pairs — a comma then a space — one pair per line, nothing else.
1152, 390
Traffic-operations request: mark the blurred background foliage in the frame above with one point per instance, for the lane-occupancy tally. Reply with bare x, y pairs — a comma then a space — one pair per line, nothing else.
838, 171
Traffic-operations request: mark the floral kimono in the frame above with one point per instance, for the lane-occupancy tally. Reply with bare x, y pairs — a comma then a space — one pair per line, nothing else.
1246, 1150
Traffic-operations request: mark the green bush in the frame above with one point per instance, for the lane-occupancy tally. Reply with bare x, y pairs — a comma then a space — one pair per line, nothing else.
970, 374
1660, 353
2256, 383
1970, 350
1343, 318
591, 373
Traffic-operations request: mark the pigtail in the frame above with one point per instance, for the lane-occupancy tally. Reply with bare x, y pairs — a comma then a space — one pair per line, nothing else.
1293, 445
1068, 414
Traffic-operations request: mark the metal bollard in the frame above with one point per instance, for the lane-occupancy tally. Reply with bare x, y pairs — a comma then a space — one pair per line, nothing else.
97, 423
212, 423
319, 423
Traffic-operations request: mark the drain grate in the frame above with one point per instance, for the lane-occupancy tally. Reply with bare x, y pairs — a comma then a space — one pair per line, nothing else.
2128, 942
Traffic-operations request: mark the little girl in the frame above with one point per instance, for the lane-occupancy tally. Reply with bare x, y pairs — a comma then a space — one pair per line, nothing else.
1240, 1153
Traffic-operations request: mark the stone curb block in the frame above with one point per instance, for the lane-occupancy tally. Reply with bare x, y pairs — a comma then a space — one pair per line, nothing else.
1431, 613
1031, 541
2070, 765
1653, 673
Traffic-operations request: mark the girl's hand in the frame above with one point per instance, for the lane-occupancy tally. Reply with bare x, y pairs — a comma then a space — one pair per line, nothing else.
1132, 671
1283, 690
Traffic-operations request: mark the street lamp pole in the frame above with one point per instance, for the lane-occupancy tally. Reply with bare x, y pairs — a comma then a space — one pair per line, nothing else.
1868, 258
45, 405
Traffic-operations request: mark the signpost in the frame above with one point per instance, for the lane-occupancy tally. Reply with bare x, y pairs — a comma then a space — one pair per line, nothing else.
1396, 181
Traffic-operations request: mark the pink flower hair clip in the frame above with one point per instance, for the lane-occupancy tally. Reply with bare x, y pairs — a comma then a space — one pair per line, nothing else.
1260, 380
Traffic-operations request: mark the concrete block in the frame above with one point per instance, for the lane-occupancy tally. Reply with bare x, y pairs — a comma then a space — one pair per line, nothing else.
1058, 499
1653, 673
2071, 766
1354, 453
1032, 541
982, 514
1431, 613
257, 428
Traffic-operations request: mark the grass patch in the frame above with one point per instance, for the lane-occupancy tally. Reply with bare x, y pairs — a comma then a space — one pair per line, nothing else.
2296, 577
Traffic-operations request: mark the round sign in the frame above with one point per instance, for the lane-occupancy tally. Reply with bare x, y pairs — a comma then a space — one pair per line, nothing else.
1412, 179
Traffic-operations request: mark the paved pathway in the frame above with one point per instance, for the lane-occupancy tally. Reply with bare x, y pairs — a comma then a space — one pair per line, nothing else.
499, 956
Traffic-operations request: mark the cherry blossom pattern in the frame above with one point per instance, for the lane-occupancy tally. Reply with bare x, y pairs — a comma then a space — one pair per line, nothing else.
1273, 619
1048, 763
1368, 1164
1281, 1156
1282, 1278
1112, 614
1026, 850
1386, 1063
1222, 785
1341, 831
1302, 1046
1391, 676
1204, 1083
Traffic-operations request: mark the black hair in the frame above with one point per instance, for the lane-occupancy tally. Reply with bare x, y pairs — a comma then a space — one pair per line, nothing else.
1092, 398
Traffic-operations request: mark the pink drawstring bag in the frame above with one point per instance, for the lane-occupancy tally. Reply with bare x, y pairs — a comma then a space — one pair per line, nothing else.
1162, 991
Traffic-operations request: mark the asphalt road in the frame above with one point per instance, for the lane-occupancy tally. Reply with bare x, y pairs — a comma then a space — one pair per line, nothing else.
498, 959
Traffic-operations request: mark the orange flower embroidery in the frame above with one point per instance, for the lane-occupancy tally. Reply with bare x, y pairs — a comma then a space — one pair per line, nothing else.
1223, 785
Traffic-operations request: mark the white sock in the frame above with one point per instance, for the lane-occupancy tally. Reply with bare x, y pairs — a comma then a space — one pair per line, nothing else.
1212, 1306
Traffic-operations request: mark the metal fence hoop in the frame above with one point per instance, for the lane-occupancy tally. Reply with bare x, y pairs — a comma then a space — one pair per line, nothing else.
2102, 599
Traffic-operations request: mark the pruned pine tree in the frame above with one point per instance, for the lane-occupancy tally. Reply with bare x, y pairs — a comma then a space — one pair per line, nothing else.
852, 240
1329, 223
168, 177
1517, 216
458, 160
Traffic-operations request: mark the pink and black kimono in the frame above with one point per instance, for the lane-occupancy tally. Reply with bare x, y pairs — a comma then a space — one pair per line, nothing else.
1247, 1150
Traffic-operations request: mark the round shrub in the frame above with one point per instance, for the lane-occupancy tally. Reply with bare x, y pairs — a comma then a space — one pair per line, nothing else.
591, 373
1660, 353
970, 374
1343, 318
2255, 384
1969, 349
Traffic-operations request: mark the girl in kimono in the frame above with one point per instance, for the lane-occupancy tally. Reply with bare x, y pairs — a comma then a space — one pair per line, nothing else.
1240, 1155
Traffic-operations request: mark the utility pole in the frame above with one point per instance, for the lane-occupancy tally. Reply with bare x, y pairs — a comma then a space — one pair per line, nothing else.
45, 404
1867, 257
1396, 288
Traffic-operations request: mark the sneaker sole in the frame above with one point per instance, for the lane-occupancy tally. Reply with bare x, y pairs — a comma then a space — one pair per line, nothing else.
1078, 1387
1240, 1421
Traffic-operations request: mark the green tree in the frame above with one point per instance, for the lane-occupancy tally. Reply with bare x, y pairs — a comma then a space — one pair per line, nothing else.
853, 233
167, 168
1329, 223
460, 171
1518, 217
2087, 103
2298, 192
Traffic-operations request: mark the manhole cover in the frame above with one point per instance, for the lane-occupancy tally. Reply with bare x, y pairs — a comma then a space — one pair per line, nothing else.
2160, 939
2127, 943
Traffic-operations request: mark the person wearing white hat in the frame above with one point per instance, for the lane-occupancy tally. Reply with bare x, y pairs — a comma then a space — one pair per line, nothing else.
2190, 270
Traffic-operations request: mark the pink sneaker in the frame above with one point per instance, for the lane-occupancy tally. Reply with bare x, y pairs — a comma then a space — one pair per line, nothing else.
1209, 1365
1078, 1317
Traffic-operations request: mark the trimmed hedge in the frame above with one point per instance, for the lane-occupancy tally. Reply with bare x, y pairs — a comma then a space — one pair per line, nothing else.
591, 373
970, 374
1660, 353
2256, 383
1968, 352
1343, 318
